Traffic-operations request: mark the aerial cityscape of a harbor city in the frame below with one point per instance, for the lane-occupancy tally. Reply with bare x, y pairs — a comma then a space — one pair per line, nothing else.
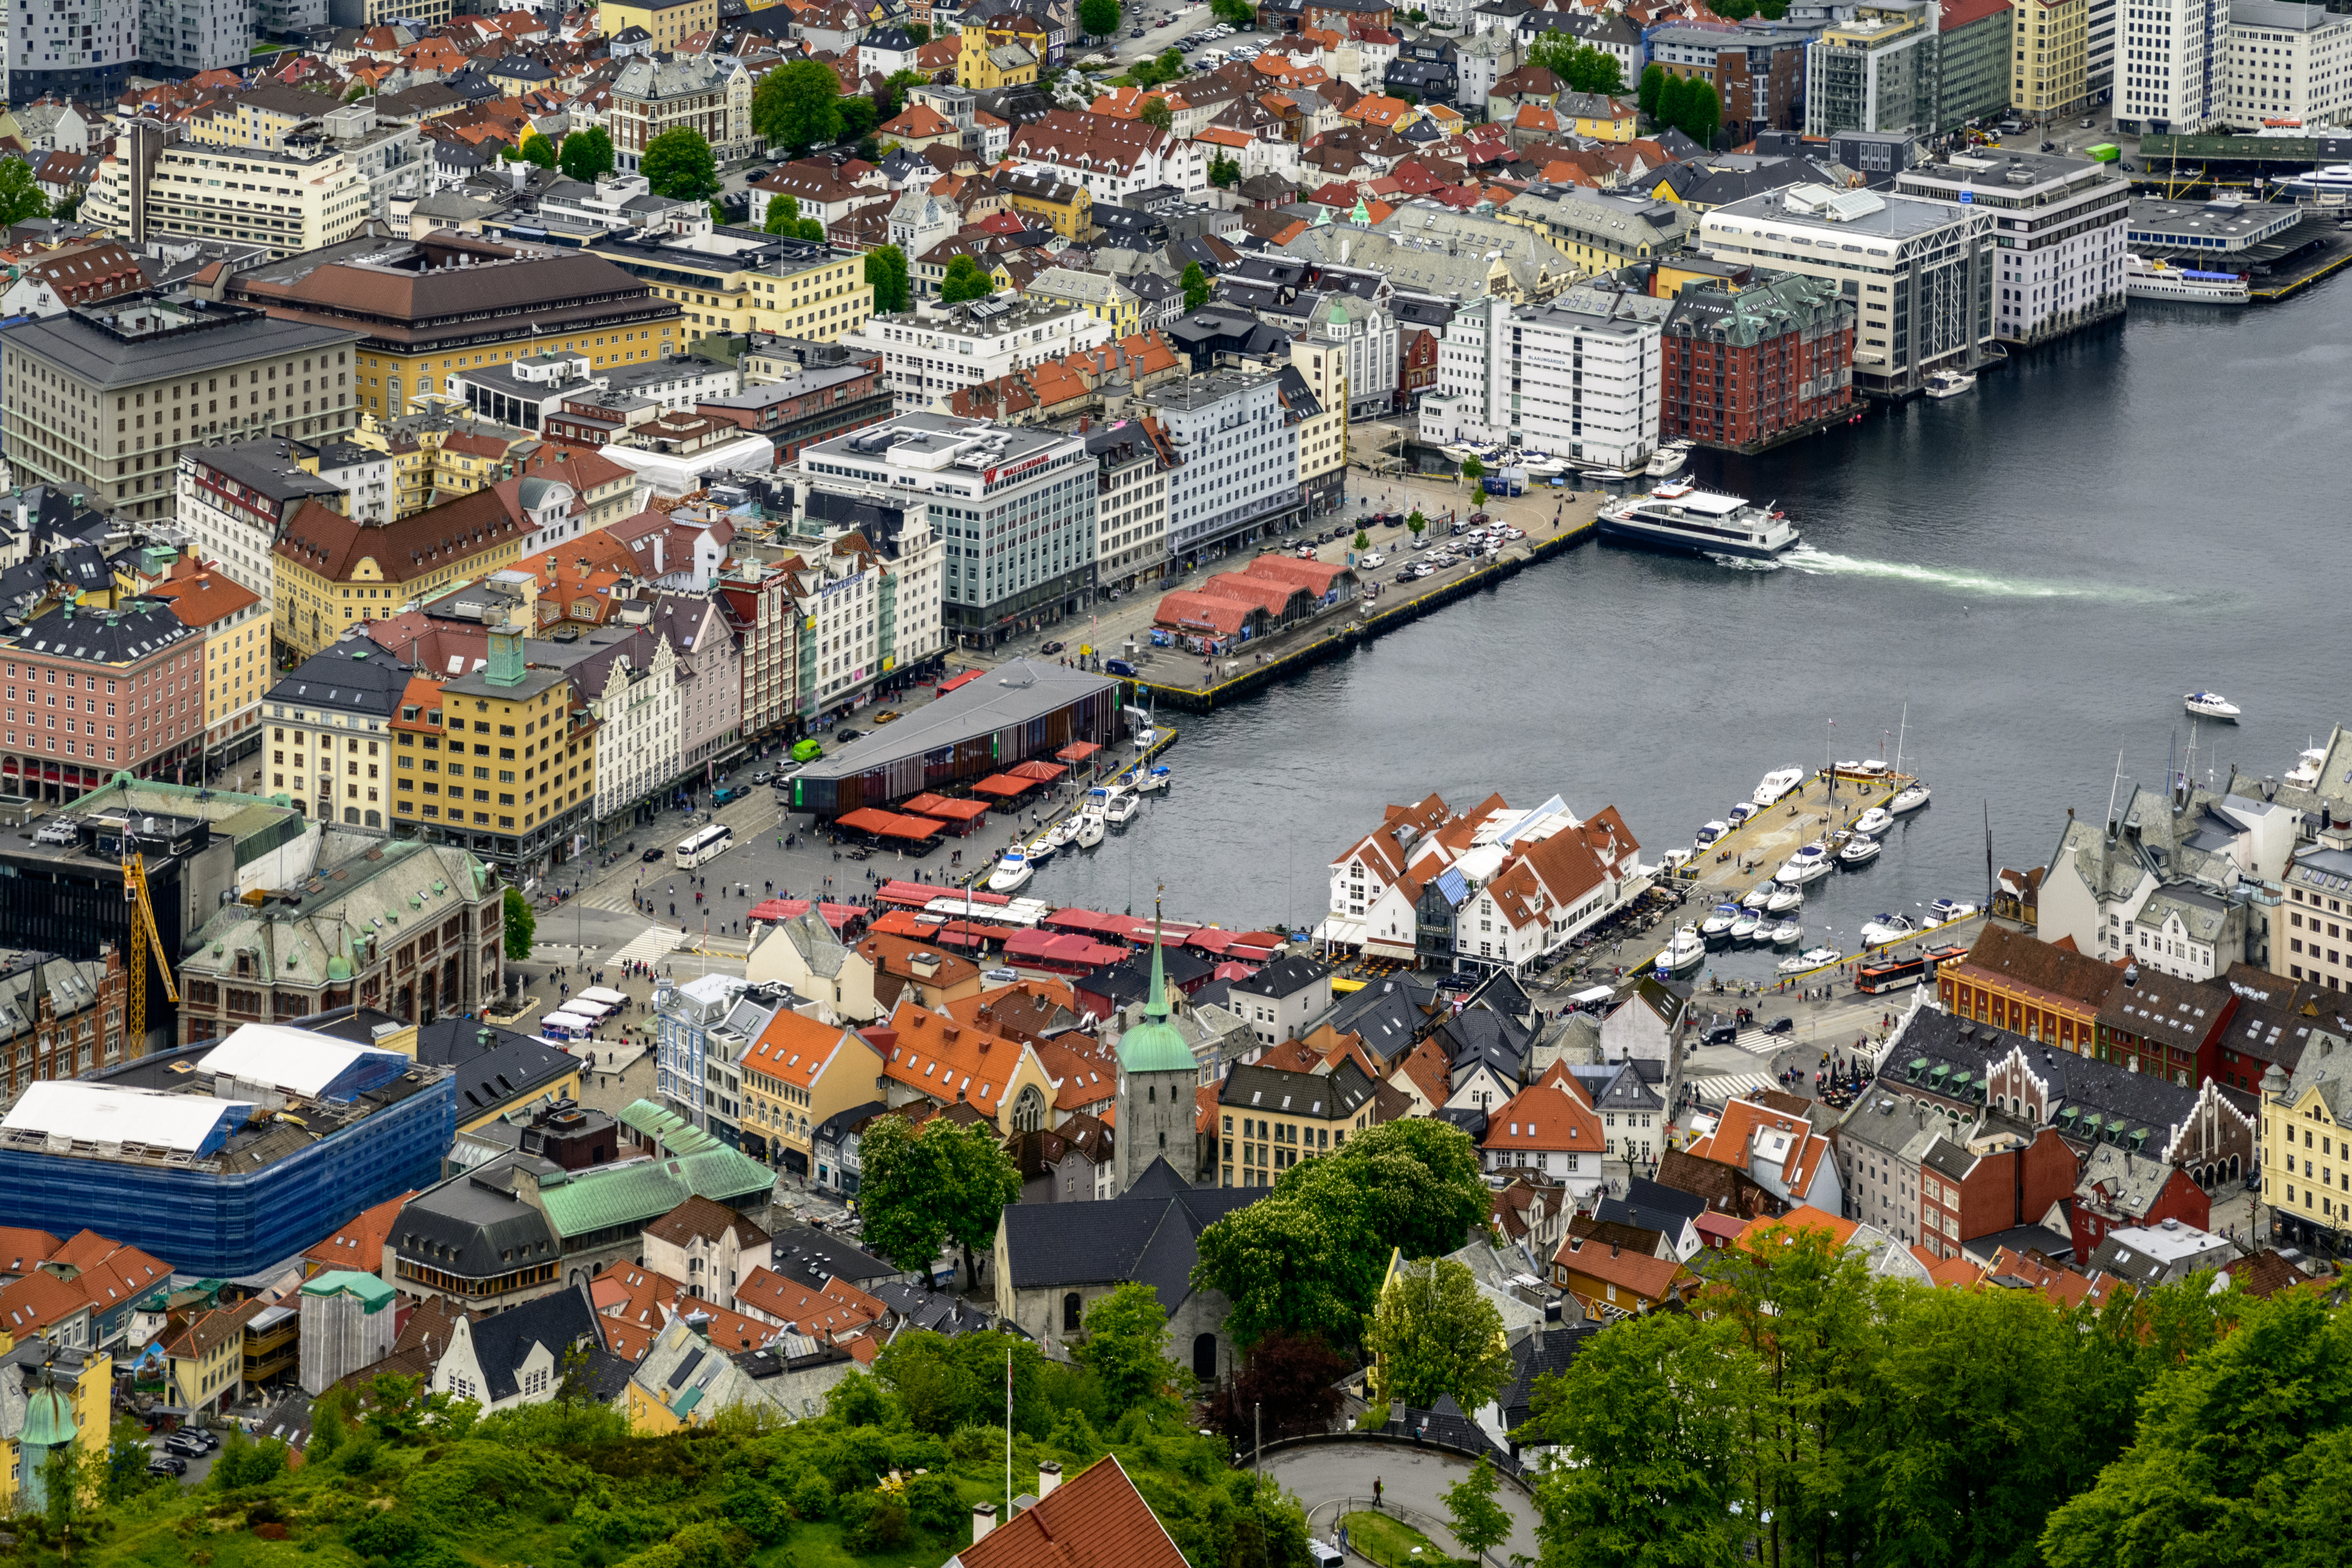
1174, 783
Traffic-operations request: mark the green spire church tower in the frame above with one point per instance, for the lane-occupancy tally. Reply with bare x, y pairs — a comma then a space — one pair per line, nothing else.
1157, 1077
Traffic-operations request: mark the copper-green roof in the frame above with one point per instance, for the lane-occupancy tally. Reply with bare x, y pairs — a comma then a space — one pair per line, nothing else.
602, 1197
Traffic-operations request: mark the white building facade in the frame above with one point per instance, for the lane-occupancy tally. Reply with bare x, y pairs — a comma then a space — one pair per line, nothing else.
638, 750
2169, 67
1555, 378
2285, 62
1236, 459
2059, 236
939, 349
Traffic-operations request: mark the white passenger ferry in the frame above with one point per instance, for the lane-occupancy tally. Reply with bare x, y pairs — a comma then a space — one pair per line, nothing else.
2158, 279
1702, 522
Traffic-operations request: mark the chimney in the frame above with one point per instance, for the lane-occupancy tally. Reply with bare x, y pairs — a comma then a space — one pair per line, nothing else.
1049, 1476
983, 1519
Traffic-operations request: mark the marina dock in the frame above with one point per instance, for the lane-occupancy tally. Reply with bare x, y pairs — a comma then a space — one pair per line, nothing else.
976, 876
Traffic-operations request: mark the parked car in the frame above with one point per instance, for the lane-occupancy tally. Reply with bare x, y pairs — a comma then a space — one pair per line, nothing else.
189, 1444
1118, 666
807, 751
1374, 559
887, 716
763, 776
722, 794
650, 856
167, 1465
844, 735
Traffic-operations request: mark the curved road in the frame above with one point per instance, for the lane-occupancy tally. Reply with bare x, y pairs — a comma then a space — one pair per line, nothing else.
1333, 1479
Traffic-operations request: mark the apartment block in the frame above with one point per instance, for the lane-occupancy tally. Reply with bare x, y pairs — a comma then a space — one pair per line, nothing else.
2285, 62
2171, 65
2059, 234
1566, 378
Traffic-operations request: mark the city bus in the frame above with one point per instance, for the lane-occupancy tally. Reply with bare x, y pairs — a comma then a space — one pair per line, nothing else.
1893, 974
708, 843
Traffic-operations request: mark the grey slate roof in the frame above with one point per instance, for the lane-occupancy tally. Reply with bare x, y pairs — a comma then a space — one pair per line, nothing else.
809, 1257
1282, 977
492, 1065
99, 345
1147, 1235
503, 1341
353, 676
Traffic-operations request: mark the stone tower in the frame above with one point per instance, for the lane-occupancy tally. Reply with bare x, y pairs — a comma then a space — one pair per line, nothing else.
1157, 1077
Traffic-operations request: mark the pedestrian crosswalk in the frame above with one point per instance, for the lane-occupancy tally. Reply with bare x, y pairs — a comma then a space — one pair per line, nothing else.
654, 941
1717, 1087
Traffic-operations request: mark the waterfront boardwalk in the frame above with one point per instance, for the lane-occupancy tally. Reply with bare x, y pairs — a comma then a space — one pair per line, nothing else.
1551, 522
1735, 864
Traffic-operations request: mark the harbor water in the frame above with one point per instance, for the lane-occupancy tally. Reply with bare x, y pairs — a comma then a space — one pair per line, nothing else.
2039, 569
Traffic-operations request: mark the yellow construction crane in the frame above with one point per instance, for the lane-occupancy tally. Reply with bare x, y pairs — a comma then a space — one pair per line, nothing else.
134, 958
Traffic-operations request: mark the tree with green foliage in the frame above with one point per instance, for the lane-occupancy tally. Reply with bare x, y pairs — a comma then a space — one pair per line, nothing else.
533, 149
1702, 112
894, 90
1415, 524
1671, 95
1580, 66
920, 1191
1433, 1333
1195, 284
1223, 172
20, 196
964, 279
784, 218
1472, 468
585, 155
1125, 1349
1478, 1521
885, 274
1651, 1475
521, 925
1309, 1258
1100, 19
1645, 97
1235, 13
1404, 95
919, 31
860, 117
1361, 542
677, 164
1155, 112
797, 105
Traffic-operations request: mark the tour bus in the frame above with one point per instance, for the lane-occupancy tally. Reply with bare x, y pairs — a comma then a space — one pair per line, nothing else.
706, 845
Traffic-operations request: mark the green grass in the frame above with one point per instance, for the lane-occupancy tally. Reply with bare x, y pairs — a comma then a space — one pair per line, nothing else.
1381, 1538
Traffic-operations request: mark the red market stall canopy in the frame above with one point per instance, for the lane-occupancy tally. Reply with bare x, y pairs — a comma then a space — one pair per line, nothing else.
1077, 751
915, 895
1003, 786
837, 916
969, 933
890, 825
1170, 935
966, 678
1043, 772
1061, 950
946, 808
1250, 946
1091, 923
906, 924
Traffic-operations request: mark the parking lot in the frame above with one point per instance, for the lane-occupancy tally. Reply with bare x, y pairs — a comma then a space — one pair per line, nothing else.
199, 1465
1181, 21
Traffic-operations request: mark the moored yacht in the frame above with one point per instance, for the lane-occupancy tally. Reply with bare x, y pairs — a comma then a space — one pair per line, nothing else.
1760, 896
1777, 785
1887, 928
1948, 384
1121, 807
1088, 831
1806, 865
1788, 934
1744, 927
1910, 799
1860, 850
1040, 849
1699, 522
1719, 923
1812, 958
1785, 897
1944, 911
1687, 951
1873, 822
2160, 280
1669, 460
1010, 872
2210, 705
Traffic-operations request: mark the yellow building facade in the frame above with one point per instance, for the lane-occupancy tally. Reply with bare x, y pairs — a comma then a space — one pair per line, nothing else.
87, 1379
797, 1075
329, 573
670, 24
2307, 1159
819, 301
501, 751
387, 381
2050, 56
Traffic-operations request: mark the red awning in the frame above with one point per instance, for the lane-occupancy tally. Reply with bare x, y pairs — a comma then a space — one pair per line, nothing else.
915, 895
906, 924
966, 678
1077, 751
865, 819
945, 808
1089, 922
1003, 785
1043, 772
837, 916
1061, 949
912, 829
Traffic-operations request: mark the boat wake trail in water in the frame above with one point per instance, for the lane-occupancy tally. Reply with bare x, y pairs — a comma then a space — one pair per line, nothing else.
1807, 558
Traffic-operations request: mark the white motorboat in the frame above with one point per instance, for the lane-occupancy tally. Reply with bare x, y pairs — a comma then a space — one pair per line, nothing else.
1744, 929
1740, 813
1709, 833
1698, 522
1777, 785
1089, 830
1860, 850
1887, 928
1809, 864
1687, 951
1153, 778
1040, 849
1909, 800
1874, 821
1542, 468
1010, 872
1944, 911
1788, 934
1784, 900
1719, 923
1948, 384
2306, 772
1063, 831
2147, 277
1760, 896
1121, 807
1669, 460
2210, 705
1812, 958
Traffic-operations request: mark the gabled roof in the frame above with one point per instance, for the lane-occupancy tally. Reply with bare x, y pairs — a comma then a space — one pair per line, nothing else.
504, 1341
1095, 1520
700, 1219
